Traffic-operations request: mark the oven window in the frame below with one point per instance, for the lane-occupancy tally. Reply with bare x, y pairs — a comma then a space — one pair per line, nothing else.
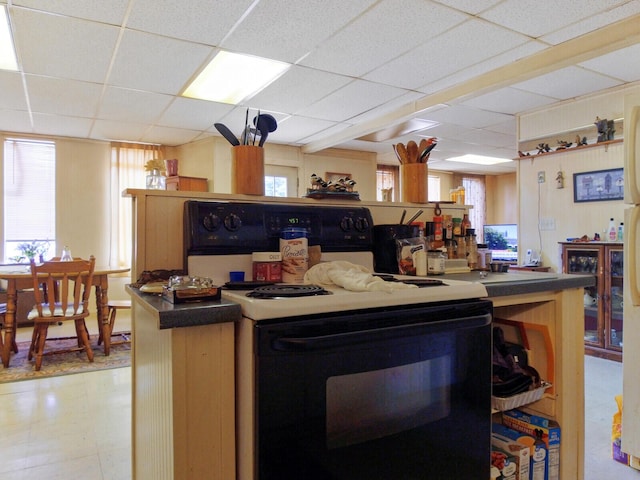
369, 405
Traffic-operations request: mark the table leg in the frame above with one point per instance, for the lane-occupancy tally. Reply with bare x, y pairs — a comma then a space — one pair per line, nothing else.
10, 321
102, 311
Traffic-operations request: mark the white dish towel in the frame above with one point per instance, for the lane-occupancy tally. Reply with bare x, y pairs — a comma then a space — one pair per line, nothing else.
350, 277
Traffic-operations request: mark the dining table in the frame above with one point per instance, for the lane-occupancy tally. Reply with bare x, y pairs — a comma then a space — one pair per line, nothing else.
18, 277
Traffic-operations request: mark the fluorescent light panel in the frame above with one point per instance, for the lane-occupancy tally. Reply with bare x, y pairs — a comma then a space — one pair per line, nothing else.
231, 77
7, 51
478, 159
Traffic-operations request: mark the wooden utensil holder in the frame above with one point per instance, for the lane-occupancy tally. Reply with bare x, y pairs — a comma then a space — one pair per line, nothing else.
413, 183
248, 169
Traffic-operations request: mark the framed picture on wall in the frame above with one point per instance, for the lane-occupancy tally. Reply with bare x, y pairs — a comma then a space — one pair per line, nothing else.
598, 186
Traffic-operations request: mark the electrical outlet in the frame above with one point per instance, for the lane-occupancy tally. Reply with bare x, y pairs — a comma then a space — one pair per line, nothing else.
541, 177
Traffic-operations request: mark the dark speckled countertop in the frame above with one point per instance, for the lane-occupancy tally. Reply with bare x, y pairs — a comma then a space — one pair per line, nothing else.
186, 314
521, 282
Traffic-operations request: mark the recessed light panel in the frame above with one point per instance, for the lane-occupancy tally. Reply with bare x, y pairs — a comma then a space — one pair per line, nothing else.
7, 50
479, 160
231, 77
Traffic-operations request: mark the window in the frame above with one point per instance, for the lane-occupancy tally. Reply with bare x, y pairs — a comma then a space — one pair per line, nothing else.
275, 186
474, 192
29, 196
433, 188
387, 178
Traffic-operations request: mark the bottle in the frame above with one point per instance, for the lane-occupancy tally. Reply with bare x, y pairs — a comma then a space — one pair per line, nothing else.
461, 247
612, 233
472, 249
466, 224
457, 226
460, 197
438, 234
435, 262
621, 232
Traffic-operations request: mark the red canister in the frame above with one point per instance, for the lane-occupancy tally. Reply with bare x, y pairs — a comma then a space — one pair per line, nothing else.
267, 266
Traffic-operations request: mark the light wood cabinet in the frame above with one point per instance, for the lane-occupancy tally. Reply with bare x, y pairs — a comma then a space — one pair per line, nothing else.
603, 322
193, 184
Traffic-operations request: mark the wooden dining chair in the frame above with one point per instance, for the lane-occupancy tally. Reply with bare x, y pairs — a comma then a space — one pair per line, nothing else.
72, 283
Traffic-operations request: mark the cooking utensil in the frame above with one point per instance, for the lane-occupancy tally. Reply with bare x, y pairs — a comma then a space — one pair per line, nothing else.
226, 133
418, 213
412, 151
266, 124
404, 212
245, 133
424, 155
395, 150
402, 152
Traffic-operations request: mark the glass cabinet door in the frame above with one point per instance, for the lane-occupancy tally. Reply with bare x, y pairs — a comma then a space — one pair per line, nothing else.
586, 261
613, 305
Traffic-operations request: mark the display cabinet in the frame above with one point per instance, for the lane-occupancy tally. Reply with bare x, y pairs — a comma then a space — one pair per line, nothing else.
603, 322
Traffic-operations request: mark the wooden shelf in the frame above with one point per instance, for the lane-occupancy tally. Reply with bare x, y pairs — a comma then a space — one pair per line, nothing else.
572, 149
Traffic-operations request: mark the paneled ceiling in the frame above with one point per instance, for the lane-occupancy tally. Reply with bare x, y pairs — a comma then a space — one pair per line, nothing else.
459, 70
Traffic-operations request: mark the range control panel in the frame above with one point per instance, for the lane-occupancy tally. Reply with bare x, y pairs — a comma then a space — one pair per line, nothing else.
228, 228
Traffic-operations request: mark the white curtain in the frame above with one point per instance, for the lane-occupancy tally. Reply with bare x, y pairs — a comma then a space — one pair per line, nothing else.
127, 171
474, 190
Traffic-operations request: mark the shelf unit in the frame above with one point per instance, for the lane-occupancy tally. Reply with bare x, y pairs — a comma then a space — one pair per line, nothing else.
603, 320
194, 184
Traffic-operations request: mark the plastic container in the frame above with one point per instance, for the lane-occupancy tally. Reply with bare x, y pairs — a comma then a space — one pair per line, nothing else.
612, 233
294, 248
267, 266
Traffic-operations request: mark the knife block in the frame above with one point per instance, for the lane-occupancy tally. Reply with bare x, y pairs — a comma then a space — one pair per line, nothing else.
248, 169
413, 183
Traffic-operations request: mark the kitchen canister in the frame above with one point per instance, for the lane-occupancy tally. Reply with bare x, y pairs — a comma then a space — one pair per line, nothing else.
247, 169
267, 266
294, 249
413, 182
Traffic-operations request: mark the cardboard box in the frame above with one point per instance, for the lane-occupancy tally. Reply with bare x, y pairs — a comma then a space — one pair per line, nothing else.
541, 428
537, 450
503, 438
634, 462
506, 464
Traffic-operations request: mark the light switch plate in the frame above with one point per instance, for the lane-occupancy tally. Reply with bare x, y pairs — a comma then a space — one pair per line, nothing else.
541, 177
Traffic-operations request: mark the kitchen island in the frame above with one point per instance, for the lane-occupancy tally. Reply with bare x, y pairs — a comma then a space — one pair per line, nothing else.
544, 308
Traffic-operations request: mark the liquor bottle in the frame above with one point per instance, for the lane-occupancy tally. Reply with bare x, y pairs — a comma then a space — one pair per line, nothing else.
465, 225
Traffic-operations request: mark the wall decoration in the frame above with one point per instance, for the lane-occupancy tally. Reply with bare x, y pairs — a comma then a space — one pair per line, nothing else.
600, 185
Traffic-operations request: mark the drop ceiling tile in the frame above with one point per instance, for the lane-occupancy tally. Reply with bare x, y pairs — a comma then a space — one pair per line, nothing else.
45, 45
470, 6
63, 126
352, 100
508, 127
374, 38
111, 12
132, 105
295, 129
621, 64
188, 113
169, 136
334, 129
568, 82
377, 112
539, 17
298, 88
468, 117
63, 97
116, 130
287, 31
201, 21
156, 64
592, 23
15, 121
509, 100
12, 97
505, 58
472, 42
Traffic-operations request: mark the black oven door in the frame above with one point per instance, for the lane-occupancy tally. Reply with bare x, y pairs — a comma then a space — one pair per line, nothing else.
393, 394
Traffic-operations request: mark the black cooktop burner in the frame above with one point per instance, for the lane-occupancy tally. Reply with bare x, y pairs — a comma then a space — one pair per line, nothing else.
287, 291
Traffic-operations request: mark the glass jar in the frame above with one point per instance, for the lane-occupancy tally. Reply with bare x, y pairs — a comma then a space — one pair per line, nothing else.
156, 181
435, 262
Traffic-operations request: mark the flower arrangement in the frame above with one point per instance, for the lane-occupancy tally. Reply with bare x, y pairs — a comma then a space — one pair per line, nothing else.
155, 164
30, 250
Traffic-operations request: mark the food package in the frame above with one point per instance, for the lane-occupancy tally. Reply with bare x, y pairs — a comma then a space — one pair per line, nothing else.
616, 434
408, 253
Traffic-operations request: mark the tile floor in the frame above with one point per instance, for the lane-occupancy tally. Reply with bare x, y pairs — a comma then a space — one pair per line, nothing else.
78, 426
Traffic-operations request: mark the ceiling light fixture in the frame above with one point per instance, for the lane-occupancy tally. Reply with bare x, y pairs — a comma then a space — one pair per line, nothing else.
7, 51
231, 77
478, 159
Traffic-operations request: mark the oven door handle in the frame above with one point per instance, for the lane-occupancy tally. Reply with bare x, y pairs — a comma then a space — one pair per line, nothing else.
325, 342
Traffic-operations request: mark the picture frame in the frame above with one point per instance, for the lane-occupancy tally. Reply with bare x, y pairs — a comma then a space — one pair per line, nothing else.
598, 185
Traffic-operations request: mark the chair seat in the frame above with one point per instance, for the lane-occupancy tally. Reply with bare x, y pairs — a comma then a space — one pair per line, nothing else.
57, 312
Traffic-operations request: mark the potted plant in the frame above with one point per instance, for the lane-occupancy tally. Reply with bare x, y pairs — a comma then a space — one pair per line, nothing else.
30, 250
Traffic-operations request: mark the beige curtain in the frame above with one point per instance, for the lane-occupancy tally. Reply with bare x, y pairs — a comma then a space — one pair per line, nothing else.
475, 194
387, 176
127, 171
